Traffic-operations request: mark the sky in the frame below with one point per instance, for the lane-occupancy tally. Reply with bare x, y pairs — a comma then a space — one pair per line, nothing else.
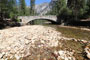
37, 2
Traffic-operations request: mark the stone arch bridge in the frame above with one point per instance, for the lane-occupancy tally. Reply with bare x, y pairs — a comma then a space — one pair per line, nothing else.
26, 19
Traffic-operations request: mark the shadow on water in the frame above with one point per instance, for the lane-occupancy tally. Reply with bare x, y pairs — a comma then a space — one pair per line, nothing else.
80, 23
41, 22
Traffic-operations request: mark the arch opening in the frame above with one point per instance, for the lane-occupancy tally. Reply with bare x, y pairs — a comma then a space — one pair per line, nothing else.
41, 22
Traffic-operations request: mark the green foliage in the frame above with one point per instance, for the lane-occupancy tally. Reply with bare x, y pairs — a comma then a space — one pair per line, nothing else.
88, 9
18, 20
22, 7
12, 14
32, 9
71, 9
8, 7
58, 7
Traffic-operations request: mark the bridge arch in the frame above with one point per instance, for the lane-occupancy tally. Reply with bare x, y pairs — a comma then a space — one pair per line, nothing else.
42, 19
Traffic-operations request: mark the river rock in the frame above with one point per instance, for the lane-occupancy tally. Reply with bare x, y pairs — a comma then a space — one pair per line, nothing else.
87, 50
20, 42
64, 55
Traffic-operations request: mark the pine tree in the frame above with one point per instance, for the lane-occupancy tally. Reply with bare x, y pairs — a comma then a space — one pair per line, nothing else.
88, 6
32, 5
2, 7
78, 8
58, 7
12, 7
8, 8
23, 7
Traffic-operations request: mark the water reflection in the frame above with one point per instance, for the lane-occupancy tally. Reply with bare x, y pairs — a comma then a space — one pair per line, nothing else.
39, 22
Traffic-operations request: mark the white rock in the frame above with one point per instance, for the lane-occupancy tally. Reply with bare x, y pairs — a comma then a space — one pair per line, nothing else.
19, 40
17, 57
87, 50
66, 55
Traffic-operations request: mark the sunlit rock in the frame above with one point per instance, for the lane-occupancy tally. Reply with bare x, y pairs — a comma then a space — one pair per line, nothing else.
87, 50
65, 55
20, 42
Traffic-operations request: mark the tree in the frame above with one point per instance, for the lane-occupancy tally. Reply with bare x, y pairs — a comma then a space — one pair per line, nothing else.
12, 8
23, 7
88, 8
6, 7
78, 8
3, 6
69, 10
32, 5
58, 7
